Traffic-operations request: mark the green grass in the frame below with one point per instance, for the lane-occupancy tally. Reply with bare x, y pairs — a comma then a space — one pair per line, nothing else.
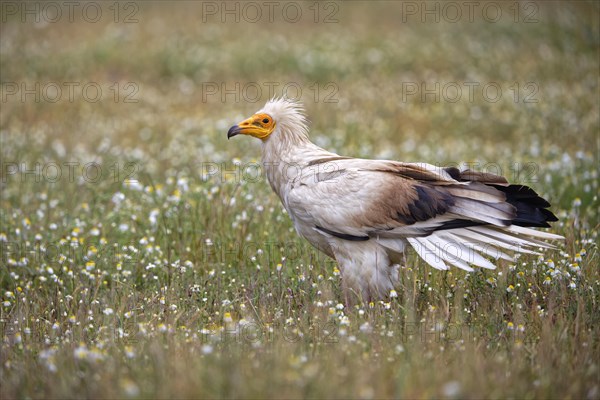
172, 288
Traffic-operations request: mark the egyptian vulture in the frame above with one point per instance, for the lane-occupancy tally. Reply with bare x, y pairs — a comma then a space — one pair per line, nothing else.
366, 213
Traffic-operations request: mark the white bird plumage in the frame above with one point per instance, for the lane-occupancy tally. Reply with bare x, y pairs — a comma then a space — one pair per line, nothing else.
366, 213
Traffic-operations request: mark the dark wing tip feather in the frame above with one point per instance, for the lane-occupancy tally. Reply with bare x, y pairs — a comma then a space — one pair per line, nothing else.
532, 210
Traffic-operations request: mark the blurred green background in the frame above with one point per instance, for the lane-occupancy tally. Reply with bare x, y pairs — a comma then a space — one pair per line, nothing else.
370, 53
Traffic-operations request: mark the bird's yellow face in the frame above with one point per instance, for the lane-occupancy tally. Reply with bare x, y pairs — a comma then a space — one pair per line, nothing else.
259, 125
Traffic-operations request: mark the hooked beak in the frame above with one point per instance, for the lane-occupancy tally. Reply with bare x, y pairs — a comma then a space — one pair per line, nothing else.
234, 130
259, 125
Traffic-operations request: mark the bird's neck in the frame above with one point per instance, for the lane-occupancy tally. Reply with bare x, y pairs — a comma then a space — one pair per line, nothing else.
285, 157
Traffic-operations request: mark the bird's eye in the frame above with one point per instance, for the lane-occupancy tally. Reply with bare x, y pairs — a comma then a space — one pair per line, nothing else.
265, 120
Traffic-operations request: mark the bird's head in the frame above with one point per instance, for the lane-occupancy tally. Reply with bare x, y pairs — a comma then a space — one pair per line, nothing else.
278, 117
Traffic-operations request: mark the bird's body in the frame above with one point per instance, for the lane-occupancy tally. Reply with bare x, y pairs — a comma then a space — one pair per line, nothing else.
366, 213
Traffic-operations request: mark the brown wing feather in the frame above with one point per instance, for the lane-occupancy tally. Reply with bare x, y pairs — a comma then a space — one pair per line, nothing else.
381, 197
473, 176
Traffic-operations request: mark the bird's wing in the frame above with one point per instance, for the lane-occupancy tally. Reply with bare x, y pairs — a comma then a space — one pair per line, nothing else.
365, 197
355, 199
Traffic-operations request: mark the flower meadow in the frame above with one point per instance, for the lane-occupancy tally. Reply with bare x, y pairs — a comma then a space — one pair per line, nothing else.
145, 256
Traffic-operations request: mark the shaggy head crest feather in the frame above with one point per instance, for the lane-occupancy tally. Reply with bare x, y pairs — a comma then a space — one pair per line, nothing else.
288, 115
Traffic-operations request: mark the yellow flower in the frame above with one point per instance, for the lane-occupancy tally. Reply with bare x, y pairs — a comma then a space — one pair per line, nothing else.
227, 317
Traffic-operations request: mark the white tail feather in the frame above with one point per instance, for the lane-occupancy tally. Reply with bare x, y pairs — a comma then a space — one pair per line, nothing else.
483, 246
485, 240
532, 232
464, 246
426, 253
468, 253
445, 251
515, 240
